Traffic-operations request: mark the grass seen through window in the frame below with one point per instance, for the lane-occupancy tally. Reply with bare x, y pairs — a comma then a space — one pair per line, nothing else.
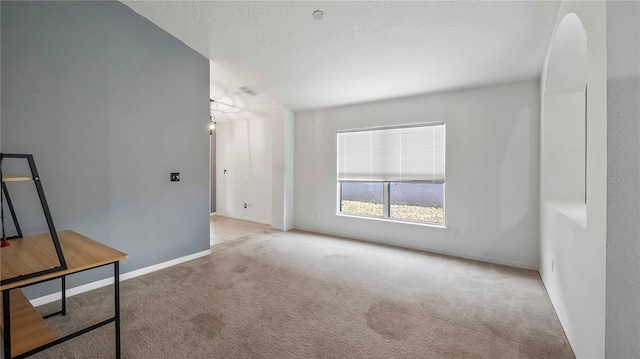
410, 212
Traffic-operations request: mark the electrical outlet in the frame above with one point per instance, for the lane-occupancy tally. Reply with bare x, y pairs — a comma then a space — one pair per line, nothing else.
175, 176
456, 233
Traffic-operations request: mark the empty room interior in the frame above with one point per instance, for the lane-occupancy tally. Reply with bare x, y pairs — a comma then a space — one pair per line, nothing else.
320, 179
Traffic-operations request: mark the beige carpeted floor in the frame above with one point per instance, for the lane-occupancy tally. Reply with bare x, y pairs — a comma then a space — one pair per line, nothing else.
300, 295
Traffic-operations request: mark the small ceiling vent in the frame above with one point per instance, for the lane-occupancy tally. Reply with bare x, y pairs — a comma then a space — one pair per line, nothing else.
248, 90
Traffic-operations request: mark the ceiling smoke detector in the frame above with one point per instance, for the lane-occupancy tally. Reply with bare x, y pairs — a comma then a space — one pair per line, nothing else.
318, 15
248, 90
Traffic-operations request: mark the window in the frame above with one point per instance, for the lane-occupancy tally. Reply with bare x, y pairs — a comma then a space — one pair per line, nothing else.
395, 173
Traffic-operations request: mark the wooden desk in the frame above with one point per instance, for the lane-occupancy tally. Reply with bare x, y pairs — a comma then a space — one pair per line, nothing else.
28, 332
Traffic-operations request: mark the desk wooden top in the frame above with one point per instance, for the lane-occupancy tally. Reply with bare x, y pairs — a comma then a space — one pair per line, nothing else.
36, 253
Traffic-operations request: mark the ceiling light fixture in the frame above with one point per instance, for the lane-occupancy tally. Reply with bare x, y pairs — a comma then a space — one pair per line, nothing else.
212, 124
212, 101
318, 15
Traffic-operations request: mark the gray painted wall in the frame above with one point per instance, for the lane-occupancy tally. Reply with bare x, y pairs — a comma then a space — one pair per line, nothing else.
623, 191
109, 104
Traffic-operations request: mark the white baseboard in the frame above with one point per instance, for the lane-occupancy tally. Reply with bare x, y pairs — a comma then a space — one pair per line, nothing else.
212, 213
105, 282
245, 218
456, 254
565, 325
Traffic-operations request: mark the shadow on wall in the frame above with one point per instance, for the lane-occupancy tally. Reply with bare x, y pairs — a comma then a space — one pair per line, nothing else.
516, 194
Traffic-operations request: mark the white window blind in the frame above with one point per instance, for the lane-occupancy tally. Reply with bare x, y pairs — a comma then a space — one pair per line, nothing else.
393, 155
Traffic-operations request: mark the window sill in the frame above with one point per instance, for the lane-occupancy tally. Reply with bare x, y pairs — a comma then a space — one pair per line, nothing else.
414, 223
577, 212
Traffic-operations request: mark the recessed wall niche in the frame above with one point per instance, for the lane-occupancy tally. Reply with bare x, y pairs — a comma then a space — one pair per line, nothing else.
565, 115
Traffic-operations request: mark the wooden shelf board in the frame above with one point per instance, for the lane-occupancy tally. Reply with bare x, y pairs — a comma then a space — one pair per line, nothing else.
28, 329
36, 253
13, 178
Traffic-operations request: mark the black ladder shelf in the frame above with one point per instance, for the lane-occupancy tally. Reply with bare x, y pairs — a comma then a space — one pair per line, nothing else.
35, 177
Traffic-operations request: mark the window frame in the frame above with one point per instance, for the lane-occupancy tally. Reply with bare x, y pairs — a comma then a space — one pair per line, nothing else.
386, 188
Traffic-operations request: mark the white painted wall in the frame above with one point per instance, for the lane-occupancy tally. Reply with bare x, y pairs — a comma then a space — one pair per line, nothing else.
564, 144
573, 235
282, 207
212, 172
243, 149
254, 144
289, 172
623, 192
491, 180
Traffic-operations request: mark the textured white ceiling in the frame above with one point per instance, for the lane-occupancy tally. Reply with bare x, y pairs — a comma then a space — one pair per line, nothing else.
361, 51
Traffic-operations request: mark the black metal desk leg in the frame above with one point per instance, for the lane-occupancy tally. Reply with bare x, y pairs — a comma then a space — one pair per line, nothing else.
116, 285
6, 322
12, 210
64, 295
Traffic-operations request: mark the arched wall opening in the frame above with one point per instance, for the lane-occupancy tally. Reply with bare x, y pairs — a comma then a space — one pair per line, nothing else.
573, 174
565, 113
